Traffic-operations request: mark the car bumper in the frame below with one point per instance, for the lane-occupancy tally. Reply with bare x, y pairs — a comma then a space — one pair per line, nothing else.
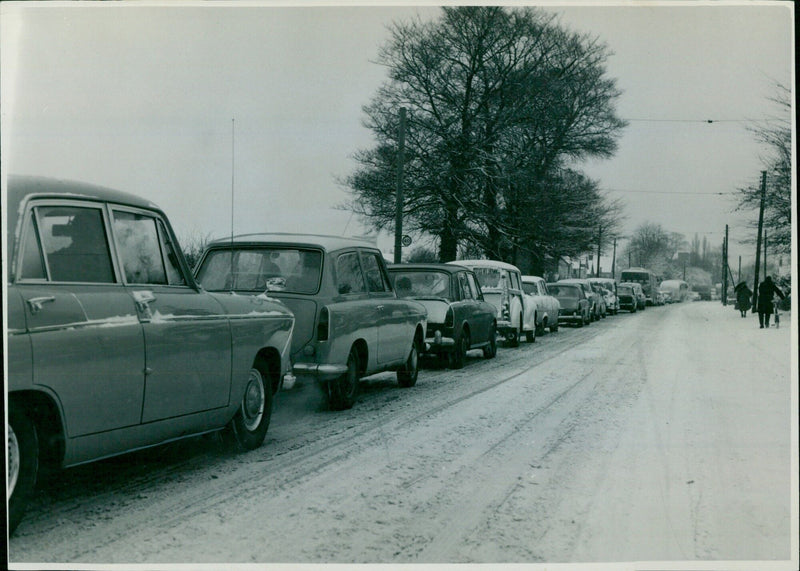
439, 343
571, 317
319, 372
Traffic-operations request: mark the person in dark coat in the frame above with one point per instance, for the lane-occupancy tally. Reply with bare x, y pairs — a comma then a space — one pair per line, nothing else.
743, 296
766, 290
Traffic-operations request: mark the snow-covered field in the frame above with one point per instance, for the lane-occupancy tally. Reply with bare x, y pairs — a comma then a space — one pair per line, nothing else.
662, 437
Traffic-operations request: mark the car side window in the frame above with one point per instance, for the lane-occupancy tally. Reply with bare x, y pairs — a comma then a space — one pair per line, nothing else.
463, 286
376, 281
474, 287
31, 253
75, 245
349, 278
146, 254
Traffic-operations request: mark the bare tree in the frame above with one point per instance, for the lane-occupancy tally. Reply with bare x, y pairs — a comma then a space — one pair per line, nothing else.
499, 100
776, 135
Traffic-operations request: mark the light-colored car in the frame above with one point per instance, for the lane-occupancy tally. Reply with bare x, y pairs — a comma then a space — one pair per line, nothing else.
610, 284
595, 299
349, 322
458, 317
501, 284
575, 305
547, 306
112, 345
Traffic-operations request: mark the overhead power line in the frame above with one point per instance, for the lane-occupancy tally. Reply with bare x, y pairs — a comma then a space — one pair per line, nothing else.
669, 192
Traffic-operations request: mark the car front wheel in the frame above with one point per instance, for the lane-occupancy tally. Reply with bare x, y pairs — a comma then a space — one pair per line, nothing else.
248, 428
23, 464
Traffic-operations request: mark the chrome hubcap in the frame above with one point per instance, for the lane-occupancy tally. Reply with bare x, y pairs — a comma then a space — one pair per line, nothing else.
253, 402
13, 461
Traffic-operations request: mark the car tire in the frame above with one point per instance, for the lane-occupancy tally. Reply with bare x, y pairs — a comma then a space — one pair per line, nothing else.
248, 428
459, 354
530, 336
342, 391
513, 337
554, 326
23, 464
407, 376
490, 350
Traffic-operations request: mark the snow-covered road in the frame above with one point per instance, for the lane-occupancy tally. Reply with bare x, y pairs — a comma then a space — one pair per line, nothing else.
660, 436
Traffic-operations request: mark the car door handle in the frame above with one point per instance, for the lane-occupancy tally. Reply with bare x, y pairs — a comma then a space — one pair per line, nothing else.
379, 307
36, 303
142, 298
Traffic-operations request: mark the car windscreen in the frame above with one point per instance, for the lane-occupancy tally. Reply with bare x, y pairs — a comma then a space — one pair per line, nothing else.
491, 278
277, 269
421, 284
530, 289
625, 290
564, 291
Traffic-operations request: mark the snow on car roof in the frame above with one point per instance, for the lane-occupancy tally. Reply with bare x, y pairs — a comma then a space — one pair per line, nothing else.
326, 242
486, 264
531, 279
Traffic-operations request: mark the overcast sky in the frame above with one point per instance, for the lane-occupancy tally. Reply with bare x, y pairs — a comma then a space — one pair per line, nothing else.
146, 98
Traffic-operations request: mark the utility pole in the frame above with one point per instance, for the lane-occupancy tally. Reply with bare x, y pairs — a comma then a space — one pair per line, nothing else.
398, 217
758, 238
725, 268
614, 260
765, 252
599, 238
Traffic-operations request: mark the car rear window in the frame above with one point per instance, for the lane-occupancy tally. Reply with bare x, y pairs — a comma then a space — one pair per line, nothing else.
422, 284
491, 278
290, 270
564, 291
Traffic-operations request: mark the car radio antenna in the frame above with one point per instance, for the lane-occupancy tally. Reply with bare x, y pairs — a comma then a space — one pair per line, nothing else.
233, 174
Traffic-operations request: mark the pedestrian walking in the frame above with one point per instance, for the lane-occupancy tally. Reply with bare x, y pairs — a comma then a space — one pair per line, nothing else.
743, 296
766, 290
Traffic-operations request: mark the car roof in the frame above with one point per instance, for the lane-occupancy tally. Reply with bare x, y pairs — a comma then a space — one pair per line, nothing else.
486, 264
322, 241
572, 281
430, 266
566, 284
531, 279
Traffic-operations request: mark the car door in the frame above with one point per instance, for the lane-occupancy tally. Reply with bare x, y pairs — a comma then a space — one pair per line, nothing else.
481, 314
393, 336
186, 333
86, 343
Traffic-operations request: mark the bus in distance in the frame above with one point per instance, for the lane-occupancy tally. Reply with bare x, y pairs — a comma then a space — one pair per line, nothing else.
645, 278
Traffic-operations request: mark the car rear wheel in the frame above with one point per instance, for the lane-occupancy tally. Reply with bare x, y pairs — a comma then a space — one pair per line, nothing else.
459, 355
407, 376
342, 392
23, 464
513, 337
248, 428
554, 326
490, 350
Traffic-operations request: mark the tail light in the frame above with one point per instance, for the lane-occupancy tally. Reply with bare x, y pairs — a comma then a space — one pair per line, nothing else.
505, 309
323, 325
448, 318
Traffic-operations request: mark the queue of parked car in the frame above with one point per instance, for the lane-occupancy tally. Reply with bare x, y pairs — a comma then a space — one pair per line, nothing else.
115, 344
